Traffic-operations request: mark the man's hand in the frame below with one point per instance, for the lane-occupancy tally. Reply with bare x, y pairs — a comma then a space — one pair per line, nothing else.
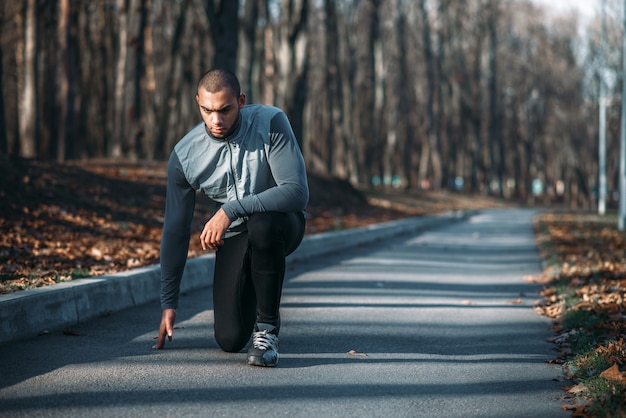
214, 230
168, 317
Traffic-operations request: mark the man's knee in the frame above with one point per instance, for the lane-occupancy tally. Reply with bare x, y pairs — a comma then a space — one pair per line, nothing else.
231, 342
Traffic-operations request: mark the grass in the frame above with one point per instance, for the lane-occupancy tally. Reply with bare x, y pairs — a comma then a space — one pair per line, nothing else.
603, 397
585, 294
79, 274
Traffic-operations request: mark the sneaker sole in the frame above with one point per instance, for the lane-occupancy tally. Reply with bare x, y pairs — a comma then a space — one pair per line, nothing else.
258, 361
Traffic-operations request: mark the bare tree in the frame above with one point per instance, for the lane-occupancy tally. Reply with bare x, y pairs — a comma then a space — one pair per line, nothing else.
4, 143
148, 83
66, 77
496, 145
364, 140
223, 17
170, 86
27, 61
426, 90
249, 62
393, 86
293, 61
334, 135
471, 97
432, 152
139, 146
120, 80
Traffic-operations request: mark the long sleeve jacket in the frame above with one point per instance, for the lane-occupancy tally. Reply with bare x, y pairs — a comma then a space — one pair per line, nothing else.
259, 168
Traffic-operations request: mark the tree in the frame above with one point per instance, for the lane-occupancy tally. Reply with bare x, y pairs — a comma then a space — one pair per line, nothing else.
120, 81
432, 148
364, 137
394, 82
66, 77
4, 143
146, 84
27, 69
429, 90
162, 145
293, 61
223, 16
249, 65
496, 145
138, 127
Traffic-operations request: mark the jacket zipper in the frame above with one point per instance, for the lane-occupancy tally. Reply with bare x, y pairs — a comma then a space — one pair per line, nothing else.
232, 169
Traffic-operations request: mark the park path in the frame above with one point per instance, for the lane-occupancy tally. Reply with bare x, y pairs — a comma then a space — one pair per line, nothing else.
437, 324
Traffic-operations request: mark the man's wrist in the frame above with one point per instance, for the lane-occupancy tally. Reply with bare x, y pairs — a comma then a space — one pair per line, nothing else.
228, 213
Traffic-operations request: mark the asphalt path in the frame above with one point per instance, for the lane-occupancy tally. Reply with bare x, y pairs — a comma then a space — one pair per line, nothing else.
438, 324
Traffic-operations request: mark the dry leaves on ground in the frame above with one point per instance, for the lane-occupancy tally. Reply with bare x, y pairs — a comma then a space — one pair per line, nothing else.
59, 222
585, 292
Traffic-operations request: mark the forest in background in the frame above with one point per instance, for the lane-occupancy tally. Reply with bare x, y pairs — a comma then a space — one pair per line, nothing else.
489, 96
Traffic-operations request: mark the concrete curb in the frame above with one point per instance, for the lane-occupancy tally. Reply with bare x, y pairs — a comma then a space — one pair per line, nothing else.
26, 313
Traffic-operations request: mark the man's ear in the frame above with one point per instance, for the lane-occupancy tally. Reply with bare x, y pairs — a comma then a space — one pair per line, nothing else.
242, 100
197, 99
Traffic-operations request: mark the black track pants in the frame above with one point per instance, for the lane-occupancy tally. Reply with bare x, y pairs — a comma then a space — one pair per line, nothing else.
249, 273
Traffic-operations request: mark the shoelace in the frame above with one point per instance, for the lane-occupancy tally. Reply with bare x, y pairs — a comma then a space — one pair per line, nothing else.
264, 340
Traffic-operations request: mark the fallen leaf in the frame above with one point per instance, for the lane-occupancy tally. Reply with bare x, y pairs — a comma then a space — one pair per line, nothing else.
578, 411
467, 302
355, 353
515, 302
579, 388
613, 374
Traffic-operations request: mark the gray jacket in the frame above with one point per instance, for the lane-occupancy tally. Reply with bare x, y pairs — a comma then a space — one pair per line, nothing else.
259, 168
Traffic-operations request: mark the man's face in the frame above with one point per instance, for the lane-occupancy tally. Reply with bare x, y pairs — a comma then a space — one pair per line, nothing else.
220, 111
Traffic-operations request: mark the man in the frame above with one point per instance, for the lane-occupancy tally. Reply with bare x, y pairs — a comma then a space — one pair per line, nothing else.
247, 160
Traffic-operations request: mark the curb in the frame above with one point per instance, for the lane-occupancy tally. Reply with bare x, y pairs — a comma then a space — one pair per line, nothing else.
27, 313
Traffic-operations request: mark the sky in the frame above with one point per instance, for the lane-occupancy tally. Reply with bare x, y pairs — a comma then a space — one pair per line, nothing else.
586, 8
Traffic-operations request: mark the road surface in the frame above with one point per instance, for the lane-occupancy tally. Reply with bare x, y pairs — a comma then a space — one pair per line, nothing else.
437, 324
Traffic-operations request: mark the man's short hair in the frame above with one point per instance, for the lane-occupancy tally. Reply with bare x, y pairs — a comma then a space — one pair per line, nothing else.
217, 80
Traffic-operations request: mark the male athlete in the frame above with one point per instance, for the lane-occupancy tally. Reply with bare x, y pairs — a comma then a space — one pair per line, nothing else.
246, 159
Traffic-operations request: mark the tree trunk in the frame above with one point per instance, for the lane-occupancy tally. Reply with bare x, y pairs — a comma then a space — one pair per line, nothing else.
247, 62
350, 142
364, 141
334, 141
4, 143
28, 100
495, 137
293, 62
224, 22
170, 87
149, 105
62, 69
120, 81
139, 73
475, 120
432, 127
391, 55
66, 78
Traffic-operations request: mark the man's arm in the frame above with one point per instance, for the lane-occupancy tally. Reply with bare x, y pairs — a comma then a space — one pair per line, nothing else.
179, 206
291, 193
180, 201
